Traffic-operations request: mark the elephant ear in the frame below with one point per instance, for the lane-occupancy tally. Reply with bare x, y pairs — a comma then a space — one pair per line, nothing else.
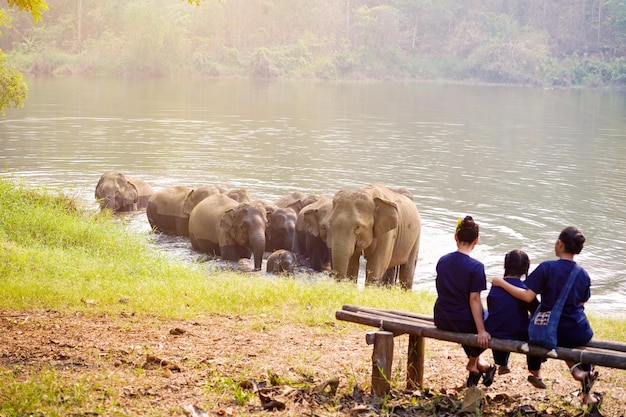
189, 203
130, 194
227, 221
385, 216
98, 186
311, 224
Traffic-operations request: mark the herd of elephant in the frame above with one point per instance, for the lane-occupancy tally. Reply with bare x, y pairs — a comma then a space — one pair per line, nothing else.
327, 233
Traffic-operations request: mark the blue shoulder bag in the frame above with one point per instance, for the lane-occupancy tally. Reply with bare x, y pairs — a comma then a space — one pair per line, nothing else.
542, 329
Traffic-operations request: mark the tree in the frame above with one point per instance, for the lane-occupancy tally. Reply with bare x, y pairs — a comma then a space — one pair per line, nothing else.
12, 87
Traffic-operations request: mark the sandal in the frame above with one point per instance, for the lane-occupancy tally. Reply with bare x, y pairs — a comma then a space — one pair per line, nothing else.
489, 374
589, 380
536, 382
473, 378
593, 409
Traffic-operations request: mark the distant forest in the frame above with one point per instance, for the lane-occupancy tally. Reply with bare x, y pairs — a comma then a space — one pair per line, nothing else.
531, 42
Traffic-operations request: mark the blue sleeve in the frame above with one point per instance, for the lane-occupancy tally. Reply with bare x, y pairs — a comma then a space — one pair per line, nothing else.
479, 278
536, 280
583, 288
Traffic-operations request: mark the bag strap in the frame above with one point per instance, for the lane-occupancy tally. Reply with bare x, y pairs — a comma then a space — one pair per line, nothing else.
560, 302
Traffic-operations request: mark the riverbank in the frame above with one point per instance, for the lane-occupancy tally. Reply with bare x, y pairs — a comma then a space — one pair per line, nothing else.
127, 364
94, 321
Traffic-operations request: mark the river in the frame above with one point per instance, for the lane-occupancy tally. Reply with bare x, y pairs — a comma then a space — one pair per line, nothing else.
524, 162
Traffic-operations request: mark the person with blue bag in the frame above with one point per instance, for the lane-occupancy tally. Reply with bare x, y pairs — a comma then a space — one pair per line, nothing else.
565, 314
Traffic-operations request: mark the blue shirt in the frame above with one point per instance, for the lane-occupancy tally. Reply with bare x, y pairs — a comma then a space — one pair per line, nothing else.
548, 279
508, 317
458, 275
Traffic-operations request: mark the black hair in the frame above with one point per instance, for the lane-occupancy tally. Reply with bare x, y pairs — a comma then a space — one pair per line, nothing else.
573, 239
516, 263
466, 230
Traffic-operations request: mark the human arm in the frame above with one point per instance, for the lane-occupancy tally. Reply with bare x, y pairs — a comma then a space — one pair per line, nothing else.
476, 306
523, 294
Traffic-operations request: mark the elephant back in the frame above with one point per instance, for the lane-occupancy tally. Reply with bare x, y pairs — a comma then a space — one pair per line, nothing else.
296, 200
194, 197
204, 220
165, 210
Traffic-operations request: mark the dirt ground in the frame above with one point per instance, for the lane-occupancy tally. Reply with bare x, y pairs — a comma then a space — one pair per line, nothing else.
230, 366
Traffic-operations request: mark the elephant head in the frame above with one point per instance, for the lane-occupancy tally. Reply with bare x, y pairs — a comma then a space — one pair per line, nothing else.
240, 195
242, 232
357, 220
281, 226
313, 239
296, 200
281, 261
196, 195
119, 193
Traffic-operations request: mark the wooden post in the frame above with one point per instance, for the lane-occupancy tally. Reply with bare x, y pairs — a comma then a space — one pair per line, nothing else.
415, 362
382, 359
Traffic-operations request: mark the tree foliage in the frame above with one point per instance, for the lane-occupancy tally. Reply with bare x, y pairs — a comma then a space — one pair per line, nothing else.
514, 41
12, 87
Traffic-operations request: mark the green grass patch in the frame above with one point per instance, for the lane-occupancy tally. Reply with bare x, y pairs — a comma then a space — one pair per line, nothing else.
56, 255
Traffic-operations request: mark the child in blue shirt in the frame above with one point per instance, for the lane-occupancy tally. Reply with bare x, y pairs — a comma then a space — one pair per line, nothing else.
508, 317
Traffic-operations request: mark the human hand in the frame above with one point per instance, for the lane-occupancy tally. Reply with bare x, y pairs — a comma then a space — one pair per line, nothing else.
497, 281
483, 339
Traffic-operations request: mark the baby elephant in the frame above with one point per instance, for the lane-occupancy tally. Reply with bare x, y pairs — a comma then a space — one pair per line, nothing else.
281, 261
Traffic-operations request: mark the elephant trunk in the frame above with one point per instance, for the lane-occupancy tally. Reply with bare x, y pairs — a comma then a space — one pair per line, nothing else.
257, 245
111, 202
341, 259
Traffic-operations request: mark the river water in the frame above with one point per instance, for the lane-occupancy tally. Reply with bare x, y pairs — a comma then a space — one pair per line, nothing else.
524, 162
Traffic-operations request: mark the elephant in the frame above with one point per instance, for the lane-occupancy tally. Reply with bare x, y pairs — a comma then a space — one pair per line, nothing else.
221, 226
168, 209
121, 193
296, 200
312, 239
281, 227
281, 261
383, 225
240, 195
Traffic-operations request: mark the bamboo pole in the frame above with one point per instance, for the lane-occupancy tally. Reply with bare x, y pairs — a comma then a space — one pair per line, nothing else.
425, 328
593, 343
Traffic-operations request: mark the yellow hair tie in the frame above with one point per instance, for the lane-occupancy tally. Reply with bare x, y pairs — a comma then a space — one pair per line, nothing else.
459, 222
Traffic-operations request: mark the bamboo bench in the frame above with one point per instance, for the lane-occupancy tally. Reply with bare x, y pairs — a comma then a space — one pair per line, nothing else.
395, 323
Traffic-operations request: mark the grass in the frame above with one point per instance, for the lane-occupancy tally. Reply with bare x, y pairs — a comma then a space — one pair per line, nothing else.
56, 256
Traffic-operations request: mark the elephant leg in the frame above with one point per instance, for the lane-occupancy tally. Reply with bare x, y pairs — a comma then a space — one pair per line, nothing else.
353, 267
390, 276
182, 226
407, 271
163, 223
230, 252
376, 269
319, 253
204, 246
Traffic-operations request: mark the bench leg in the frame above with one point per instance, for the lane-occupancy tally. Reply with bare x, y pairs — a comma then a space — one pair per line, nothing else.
415, 362
382, 359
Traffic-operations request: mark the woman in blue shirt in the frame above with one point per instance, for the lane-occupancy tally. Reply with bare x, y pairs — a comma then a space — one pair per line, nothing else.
458, 308
548, 279
508, 317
